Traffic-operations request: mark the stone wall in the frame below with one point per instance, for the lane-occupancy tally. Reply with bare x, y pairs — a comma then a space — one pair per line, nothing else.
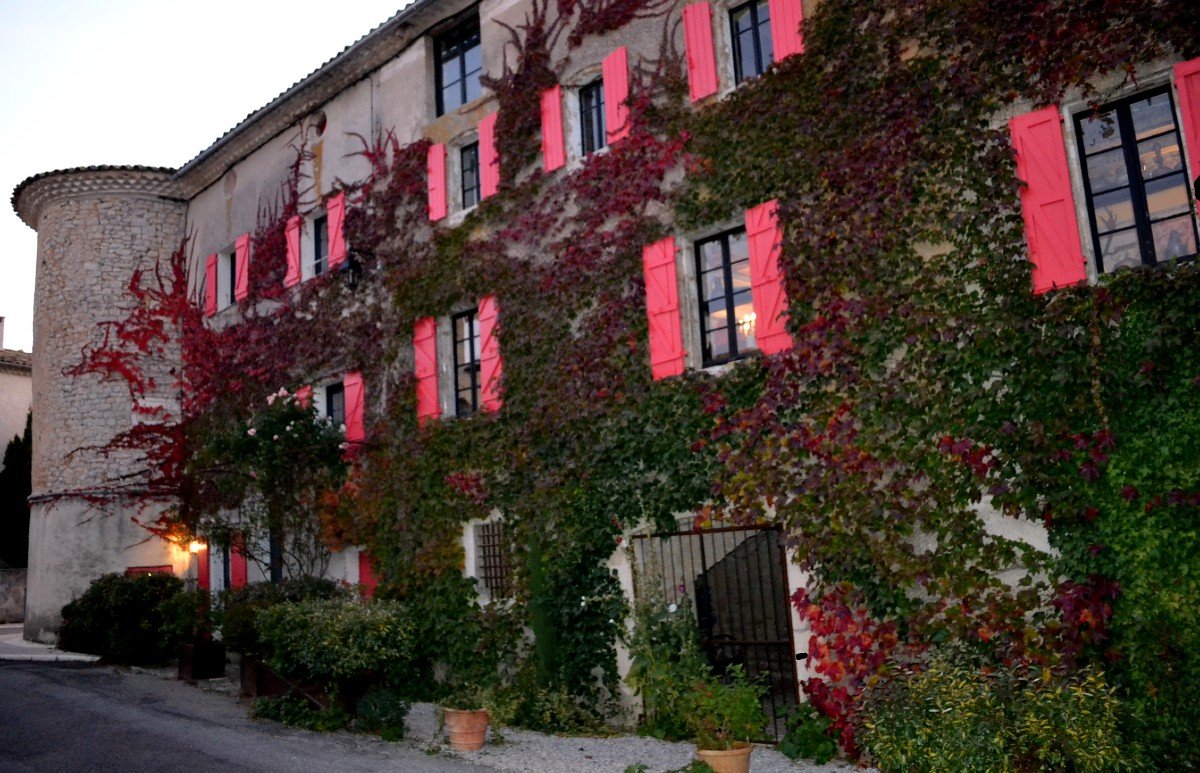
12, 595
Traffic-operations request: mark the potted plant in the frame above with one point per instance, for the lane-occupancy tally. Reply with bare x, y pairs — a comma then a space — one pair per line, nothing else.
723, 717
465, 714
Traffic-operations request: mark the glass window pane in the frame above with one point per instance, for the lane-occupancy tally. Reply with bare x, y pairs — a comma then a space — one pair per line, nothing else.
1107, 170
739, 248
710, 254
718, 344
741, 275
714, 285
764, 36
1152, 116
746, 320
463, 379
1120, 250
1101, 132
1160, 155
474, 89
1114, 210
1167, 196
1174, 238
473, 59
451, 97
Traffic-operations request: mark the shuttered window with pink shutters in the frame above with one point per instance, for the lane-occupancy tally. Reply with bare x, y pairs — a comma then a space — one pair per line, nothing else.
615, 71
489, 159
210, 285
662, 309
435, 170
241, 270
1047, 204
203, 569
554, 148
426, 369
786, 17
292, 232
238, 569
366, 574
491, 364
766, 278
1187, 85
701, 52
335, 210
355, 405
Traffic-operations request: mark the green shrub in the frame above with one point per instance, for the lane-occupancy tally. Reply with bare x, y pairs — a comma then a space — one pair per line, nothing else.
120, 618
187, 616
667, 663
338, 641
382, 711
238, 608
808, 736
722, 713
299, 712
952, 717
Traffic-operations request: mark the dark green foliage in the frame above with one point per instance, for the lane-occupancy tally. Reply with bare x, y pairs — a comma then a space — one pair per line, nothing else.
666, 665
121, 618
15, 487
299, 712
187, 616
383, 711
237, 608
808, 736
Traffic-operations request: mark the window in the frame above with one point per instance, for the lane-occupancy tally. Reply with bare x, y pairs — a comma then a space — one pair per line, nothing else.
459, 63
230, 297
320, 244
591, 117
492, 559
469, 174
1138, 202
465, 329
750, 25
335, 404
726, 310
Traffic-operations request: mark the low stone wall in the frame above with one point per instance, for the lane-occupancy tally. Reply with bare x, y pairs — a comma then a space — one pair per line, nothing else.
12, 595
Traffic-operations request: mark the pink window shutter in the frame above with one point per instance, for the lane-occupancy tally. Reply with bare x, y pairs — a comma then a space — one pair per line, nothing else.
425, 365
786, 17
701, 52
203, 569
293, 275
1047, 204
241, 267
353, 393
335, 210
1187, 84
435, 169
366, 574
210, 285
766, 278
489, 160
554, 148
616, 93
237, 562
491, 364
662, 309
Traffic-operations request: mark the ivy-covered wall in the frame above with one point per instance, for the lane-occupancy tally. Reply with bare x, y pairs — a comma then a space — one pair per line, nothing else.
927, 387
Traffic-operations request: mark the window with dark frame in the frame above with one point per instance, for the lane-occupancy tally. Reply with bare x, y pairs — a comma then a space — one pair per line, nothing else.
465, 328
493, 564
469, 174
750, 25
320, 243
591, 117
335, 404
726, 310
1138, 198
459, 63
232, 297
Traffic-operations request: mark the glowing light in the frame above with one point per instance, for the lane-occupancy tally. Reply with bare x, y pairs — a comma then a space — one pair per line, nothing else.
195, 546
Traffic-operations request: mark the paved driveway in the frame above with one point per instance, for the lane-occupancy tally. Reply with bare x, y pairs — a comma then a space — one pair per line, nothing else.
95, 719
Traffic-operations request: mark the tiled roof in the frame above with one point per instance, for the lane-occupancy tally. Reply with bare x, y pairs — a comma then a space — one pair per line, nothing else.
12, 359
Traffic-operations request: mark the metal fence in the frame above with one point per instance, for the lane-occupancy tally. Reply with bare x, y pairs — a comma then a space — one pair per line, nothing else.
736, 580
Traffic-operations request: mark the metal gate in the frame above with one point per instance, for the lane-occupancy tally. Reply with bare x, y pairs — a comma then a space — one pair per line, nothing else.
736, 579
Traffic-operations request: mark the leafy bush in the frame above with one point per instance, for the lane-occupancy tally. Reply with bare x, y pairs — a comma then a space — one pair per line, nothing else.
238, 608
808, 736
720, 714
298, 712
120, 617
666, 665
336, 641
383, 711
187, 616
953, 717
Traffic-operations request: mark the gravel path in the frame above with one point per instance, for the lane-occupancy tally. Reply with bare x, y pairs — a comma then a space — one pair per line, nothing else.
524, 751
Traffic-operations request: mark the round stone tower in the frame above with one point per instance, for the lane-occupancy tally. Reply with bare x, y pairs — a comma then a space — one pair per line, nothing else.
96, 226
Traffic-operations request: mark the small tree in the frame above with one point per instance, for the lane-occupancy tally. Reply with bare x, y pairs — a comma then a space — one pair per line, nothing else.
266, 477
15, 487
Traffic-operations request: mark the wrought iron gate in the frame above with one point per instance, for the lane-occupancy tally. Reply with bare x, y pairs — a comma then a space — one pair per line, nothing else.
736, 579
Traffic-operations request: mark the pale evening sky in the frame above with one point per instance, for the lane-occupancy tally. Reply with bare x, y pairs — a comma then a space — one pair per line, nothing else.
149, 82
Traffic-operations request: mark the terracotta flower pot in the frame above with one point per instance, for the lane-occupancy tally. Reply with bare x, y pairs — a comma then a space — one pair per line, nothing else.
735, 760
467, 729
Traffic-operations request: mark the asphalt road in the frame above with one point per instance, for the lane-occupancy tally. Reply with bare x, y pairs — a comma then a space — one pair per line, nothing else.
96, 719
